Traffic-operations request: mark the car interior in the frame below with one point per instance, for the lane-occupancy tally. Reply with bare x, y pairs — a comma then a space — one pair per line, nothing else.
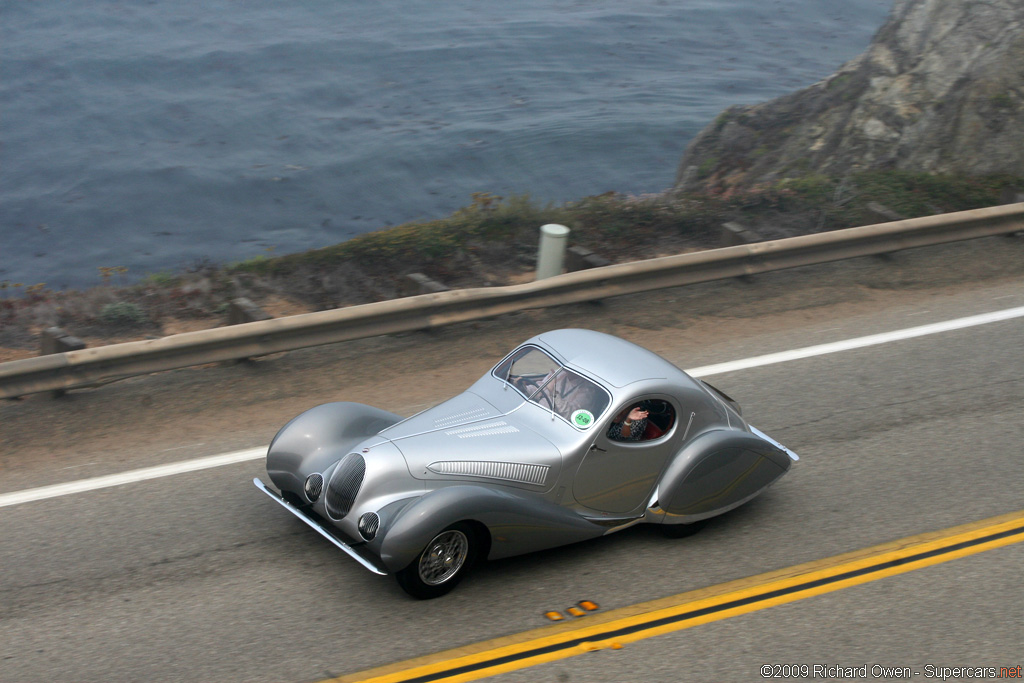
660, 417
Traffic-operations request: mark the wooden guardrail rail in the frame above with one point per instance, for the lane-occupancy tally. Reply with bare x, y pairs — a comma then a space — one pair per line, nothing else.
103, 364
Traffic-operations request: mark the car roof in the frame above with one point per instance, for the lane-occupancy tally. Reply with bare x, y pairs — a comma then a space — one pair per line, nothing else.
616, 361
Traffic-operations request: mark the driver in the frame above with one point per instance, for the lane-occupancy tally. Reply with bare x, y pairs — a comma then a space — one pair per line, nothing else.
630, 423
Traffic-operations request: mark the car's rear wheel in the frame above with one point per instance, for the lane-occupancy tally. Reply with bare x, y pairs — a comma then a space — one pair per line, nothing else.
442, 564
682, 530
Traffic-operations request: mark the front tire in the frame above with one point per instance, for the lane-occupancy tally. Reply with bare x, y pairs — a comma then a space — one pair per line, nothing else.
442, 564
293, 498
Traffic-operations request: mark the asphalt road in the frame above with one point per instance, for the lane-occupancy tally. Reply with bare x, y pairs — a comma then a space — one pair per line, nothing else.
199, 577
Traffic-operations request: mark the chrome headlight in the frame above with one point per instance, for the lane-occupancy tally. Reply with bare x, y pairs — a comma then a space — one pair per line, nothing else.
314, 486
368, 525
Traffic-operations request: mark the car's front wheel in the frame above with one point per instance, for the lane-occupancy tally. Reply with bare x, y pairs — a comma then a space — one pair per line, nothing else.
442, 564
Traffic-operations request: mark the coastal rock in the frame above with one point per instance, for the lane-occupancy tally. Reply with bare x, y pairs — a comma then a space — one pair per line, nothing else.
939, 90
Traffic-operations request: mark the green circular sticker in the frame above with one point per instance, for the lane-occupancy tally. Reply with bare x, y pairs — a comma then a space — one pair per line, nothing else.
583, 418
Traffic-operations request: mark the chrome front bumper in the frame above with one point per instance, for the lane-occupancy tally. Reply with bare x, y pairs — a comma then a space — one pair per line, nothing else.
321, 529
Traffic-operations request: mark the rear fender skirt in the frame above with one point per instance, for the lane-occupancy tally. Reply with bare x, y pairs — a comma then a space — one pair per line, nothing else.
718, 471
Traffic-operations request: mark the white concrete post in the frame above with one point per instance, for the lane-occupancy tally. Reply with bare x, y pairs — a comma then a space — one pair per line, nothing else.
551, 254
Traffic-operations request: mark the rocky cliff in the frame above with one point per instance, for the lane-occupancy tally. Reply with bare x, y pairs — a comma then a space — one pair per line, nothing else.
940, 90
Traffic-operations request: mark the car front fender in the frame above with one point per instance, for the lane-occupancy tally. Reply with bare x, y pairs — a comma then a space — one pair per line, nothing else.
516, 523
317, 438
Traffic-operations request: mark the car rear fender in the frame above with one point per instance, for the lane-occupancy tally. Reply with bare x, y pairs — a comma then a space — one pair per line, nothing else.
317, 438
516, 523
729, 401
718, 471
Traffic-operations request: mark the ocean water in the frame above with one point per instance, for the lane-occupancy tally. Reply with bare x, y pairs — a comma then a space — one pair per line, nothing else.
151, 134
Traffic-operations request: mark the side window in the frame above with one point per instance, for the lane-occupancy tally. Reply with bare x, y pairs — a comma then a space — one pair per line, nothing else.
643, 420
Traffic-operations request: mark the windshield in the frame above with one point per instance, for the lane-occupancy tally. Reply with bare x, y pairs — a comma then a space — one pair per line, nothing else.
544, 381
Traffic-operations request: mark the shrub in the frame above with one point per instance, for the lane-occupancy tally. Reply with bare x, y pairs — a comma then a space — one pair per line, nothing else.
162, 278
123, 313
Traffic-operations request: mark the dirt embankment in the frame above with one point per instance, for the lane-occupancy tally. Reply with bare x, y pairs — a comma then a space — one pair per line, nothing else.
492, 242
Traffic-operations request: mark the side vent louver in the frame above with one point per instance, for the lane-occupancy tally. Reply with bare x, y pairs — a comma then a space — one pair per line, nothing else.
518, 472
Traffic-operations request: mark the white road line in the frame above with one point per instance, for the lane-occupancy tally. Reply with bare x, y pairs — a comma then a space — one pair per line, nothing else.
130, 477
178, 448
57, 490
857, 343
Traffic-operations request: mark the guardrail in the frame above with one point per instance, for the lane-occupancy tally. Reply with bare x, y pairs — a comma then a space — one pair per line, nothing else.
104, 364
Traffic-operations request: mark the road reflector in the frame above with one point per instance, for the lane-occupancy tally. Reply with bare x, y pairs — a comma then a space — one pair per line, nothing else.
588, 605
554, 616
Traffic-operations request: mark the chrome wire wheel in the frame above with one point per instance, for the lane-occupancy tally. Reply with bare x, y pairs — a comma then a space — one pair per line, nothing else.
443, 557
443, 562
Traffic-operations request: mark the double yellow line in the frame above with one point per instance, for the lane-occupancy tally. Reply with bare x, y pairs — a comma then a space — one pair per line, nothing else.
629, 624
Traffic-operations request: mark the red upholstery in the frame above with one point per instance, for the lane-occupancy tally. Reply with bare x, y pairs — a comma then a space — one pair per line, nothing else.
651, 431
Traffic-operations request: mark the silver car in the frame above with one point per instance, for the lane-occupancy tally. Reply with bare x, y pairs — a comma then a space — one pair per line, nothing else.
575, 434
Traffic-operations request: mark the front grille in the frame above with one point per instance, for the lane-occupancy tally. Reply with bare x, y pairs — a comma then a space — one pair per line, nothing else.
314, 487
368, 525
344, 485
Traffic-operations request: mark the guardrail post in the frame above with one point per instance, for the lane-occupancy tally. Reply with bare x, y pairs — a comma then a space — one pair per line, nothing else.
551, 253
1012, 195
581, 258
243, 310
734, 234
56, 340
883, 211
418, 283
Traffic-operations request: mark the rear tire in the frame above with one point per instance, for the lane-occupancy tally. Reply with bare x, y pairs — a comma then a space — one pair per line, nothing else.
443, 563
682, 530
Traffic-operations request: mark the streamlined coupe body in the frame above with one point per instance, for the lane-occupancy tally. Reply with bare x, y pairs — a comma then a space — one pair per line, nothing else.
531, 456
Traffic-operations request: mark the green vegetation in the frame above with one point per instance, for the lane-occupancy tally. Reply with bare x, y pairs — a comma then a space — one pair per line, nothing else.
1002, 101
839, 82
161, 279
921, 194
706, 167
123, 313
603, 222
